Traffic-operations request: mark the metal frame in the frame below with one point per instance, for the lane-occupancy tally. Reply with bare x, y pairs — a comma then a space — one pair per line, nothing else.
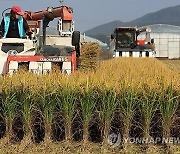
24, 58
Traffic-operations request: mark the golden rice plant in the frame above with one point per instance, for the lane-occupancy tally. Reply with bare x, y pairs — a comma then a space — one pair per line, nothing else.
107, 106
127, 106
27, 108
148, 106
88, 102
46, 103
169, 103
66, 101
10, 108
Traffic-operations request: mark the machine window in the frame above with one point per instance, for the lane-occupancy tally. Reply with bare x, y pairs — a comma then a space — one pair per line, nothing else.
19, 47
124, 39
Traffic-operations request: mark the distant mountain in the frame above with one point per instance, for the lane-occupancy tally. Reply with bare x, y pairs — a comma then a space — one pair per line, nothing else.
105, 28
170, 15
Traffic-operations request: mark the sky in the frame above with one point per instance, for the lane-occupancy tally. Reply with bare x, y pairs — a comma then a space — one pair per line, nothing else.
91, 13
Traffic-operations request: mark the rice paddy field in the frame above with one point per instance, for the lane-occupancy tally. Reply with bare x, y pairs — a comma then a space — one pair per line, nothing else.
174, 64
124, 105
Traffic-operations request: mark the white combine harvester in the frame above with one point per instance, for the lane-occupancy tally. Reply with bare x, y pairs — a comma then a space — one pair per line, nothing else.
34, 53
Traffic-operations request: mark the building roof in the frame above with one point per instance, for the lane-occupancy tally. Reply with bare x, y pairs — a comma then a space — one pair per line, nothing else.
90, 39
163, 28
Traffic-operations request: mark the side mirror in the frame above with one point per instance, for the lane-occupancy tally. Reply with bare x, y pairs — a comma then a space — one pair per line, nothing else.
75, 38
112, 36
152, 41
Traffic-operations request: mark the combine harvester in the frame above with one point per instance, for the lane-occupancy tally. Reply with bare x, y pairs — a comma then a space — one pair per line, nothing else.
125, 43
33, 52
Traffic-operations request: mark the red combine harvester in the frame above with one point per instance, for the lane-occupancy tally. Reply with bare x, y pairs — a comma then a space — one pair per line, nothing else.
125, 42
33, 51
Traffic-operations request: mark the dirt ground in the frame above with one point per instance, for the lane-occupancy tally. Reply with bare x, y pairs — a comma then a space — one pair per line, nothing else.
78, 148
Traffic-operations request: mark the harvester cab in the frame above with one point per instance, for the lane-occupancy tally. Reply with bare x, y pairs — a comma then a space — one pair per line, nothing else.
125, 42
39, 52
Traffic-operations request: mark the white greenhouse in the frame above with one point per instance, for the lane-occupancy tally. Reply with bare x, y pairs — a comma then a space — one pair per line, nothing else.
167, 40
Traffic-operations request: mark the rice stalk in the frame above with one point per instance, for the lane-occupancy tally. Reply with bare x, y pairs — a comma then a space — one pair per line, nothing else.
127, 107
46, 104
169, 103
148, 106
10, 110
88, 102
27, 108
107, 107
66, 101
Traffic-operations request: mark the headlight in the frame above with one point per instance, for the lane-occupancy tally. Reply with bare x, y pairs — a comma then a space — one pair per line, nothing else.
12, 52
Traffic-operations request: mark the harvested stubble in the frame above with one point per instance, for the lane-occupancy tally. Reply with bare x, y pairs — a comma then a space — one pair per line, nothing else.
130, 84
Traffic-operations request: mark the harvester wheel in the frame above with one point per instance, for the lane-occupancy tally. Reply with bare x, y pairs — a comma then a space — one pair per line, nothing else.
75, 38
